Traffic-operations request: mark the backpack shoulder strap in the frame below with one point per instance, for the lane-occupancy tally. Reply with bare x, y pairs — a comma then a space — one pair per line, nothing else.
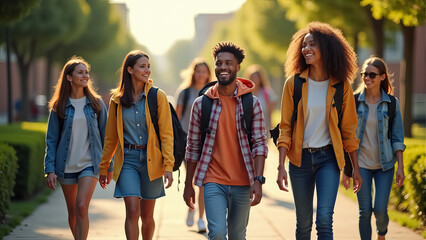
391, 111
185, 93
247, 101
297, 95
356, 96
338, 100
206, 110
153, 109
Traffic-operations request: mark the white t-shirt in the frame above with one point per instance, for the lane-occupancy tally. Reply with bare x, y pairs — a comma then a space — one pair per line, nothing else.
317, 133
79, 151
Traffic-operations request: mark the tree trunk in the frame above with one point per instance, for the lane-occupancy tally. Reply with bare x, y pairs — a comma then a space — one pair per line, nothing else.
406, 79
24, 62
49, 64
378, 32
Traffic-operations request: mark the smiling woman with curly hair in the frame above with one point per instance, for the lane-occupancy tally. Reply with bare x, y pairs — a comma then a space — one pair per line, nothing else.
318, 60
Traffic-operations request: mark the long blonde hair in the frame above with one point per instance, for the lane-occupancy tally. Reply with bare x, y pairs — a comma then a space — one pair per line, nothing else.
380, 64
188, 74
63, 88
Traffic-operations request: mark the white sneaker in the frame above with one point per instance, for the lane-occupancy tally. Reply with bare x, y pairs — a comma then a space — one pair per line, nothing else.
201, 225
190, 218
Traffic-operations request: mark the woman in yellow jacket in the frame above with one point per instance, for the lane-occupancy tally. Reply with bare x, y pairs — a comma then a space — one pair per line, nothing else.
314, 144
139, 163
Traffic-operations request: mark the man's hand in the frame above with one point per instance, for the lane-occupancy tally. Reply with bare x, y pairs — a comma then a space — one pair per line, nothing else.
255, 193
189, 195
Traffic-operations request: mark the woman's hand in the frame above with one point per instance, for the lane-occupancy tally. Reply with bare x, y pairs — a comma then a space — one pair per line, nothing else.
357, 180
51, 181
282, 177
103, 181
400, 176
168, 179
346, 181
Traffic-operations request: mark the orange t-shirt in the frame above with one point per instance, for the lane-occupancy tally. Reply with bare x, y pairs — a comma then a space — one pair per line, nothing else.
227, 164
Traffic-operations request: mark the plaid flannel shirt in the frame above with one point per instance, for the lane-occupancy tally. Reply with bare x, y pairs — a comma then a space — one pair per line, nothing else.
193, 148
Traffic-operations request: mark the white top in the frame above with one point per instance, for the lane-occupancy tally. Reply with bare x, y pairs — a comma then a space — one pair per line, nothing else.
79, 150
369, 156
317, 133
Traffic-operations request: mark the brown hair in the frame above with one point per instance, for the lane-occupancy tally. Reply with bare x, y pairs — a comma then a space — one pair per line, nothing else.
63, 88
338, 57
124, 88
380, 64
188, 74
258, 69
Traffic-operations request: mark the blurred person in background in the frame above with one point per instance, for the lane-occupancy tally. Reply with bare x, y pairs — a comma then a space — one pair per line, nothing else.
74, 141
195, 77
381, 145
262, 90
140, 165
318, 59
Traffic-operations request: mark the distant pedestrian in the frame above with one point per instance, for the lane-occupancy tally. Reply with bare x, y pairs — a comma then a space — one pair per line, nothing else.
195, 77
263, 91
318, 59
74, 141
228, 163
381, 145
139, 163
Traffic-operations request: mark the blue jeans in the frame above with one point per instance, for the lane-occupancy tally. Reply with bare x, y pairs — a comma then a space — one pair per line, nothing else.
382, 187
227, 205
318, 169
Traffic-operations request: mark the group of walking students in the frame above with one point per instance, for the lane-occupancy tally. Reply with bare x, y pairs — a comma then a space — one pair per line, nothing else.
321, 121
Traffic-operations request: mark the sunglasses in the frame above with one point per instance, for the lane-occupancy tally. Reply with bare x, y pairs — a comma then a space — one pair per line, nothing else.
372, 75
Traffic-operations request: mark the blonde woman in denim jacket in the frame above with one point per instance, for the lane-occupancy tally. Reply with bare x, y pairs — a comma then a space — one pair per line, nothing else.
140, 163
74, 141
379, 149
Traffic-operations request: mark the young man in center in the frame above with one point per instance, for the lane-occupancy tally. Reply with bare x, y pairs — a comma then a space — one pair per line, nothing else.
228, 163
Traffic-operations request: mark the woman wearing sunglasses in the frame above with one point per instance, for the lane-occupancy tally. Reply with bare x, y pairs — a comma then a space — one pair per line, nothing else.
381, 145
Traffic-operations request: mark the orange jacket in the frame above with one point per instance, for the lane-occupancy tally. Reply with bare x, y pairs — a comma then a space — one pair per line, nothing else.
158, 160
293, 140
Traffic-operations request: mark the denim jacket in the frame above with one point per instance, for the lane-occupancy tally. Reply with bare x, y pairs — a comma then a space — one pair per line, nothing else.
57, 146
387, 147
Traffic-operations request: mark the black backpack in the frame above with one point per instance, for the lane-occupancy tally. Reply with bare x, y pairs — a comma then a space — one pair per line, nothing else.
206, 109
179, 135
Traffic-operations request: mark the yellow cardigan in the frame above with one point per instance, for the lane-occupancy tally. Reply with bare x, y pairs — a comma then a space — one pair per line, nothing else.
293, 140
158, 161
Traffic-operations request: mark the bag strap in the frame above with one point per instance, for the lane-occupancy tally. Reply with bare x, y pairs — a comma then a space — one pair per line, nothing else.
338, 101
153, 109
185, 93
206, 110
391, 111
247, 118
297, 95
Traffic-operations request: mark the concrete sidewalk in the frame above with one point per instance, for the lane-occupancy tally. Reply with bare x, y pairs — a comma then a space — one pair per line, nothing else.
272, 219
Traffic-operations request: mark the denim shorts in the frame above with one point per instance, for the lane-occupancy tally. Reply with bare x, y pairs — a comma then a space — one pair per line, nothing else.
134, 178
72, 178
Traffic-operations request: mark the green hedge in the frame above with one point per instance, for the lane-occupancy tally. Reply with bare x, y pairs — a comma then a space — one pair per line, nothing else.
8, 167
29, 146
411, 197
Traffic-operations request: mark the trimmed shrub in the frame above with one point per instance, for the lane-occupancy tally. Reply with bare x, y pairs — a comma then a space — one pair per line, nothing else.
29, 146
8, 167
411, 197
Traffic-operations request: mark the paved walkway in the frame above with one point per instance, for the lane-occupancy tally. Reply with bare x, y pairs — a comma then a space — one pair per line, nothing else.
273, 219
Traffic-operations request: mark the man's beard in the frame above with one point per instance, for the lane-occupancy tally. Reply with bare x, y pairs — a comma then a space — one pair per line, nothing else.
226, 82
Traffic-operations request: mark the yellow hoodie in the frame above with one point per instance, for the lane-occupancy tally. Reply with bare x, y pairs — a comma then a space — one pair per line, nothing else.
158, 161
